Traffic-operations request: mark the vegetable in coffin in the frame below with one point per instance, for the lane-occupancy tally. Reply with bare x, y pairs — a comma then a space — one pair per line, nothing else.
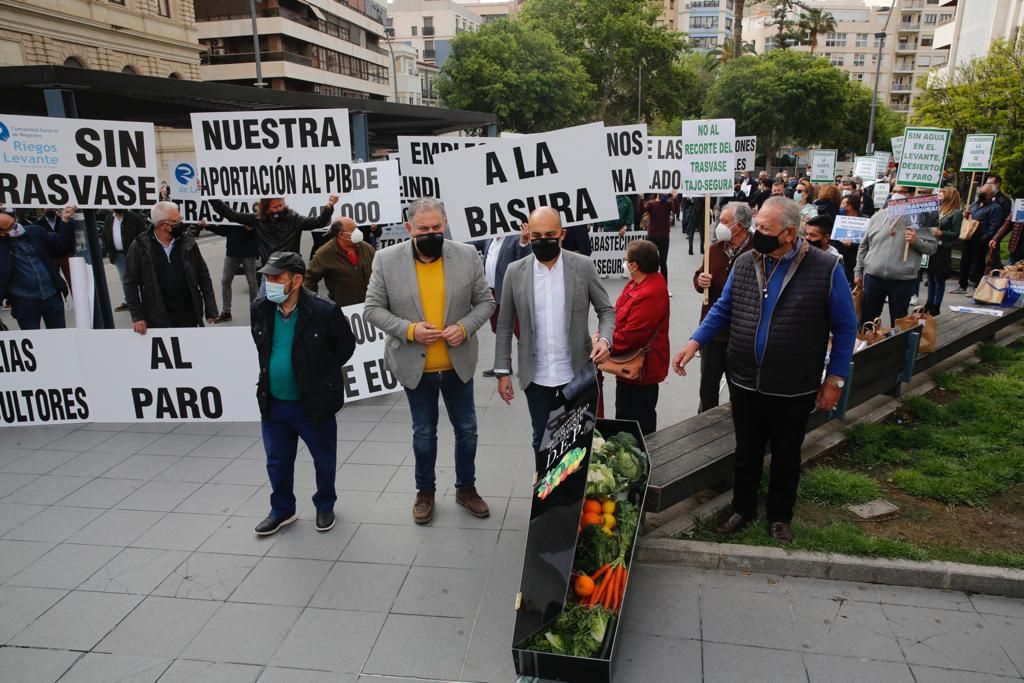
578, 631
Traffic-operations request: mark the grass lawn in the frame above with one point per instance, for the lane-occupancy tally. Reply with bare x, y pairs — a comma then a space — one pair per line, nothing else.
952, 460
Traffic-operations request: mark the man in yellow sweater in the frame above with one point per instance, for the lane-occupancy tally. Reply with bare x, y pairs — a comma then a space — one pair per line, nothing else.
430, 296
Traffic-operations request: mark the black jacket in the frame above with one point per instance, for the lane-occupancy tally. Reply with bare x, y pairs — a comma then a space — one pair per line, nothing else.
142, 288
283, 234
323, 344
241, 242
49, 245
132, 225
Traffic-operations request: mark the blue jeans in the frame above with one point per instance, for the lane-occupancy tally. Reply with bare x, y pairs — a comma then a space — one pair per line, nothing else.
281, 432
936, 290
29, 312
458, 401
541, 401
877, 290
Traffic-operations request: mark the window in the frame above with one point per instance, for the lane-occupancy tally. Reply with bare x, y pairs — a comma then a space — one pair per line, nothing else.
877, 42
703, 22
943, 18
174, 75
769, 43
117, 2
163, 8
923, 60
728, 24
74, 62
933, 2
858, 77
858, 59
931, 18
835, 39
836, 60
927, 42
414, 28
862, 40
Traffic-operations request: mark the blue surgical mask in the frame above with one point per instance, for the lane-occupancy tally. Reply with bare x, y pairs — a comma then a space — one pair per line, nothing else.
798, 196
276, 292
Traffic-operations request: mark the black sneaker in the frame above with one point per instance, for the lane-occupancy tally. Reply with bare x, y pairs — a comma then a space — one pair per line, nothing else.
222, 318
272, 524
121, 307
325, 520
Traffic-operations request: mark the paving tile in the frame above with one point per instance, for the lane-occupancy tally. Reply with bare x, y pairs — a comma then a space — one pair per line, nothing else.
236, 536
331, 640
644, 609
1010, 632
16, 555
158, 496
102, 493
243, 634
800, 588
13, 515
361, 587
26, 665
425, 647
207, 576
179, 531
282, 581
731, 663
354, 506
55, 524
79, 621
188, 671
746, 582
175, 444
925, 597
396, 508
404, 481
116, 527
198, 428
740, 617
252, 429
221, 446
301, 540
948, 639
488, 658
101, 668
377, 453
127, 443
81, 440
143, 467
926, 674
357, 431
462, 548
434, 591
20, 606
38, 462
383, 544
91, 464
829, 669
449, 514
517, 516
845, 628
135, 570
46, 489
990, 604
159, 627
280, 675
353, 477
66, 566
241, 471
34, 437
10, 455
192, 469
221, 499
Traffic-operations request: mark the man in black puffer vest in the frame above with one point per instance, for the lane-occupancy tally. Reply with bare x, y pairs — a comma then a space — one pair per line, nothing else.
779, 306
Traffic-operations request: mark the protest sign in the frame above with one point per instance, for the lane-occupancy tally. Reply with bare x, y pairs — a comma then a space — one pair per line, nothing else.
823, 165
392, 234
608, 248
490, 190
183, 183
1018, 210
708, 157
627, 152
366, 375
664, 163
866, 168
299, 154
883, 163
746, 150
978, 153
916, 212
924, 157
851, 228
881, 193
419, 175
53, 162
897, 148
43, 380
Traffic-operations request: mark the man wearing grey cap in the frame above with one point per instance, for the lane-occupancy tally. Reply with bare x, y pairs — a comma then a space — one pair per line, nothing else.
302, 341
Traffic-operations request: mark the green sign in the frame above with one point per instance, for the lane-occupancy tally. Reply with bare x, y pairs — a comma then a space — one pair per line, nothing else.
924, 157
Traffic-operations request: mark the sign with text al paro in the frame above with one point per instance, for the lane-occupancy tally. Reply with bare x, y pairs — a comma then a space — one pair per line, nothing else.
627, 152
823, 165
978, 151
417, 154
924, 157
295, 154
664, 163
51, 162
490, 190
897, 148
709, 157
746, 151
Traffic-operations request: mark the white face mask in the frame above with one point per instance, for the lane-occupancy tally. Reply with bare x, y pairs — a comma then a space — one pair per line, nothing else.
895, 195
356, 236
847, 193
723, 233
625, 267
798, 196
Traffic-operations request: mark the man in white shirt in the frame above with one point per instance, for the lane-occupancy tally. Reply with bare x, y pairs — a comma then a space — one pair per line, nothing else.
120, 229
551, 293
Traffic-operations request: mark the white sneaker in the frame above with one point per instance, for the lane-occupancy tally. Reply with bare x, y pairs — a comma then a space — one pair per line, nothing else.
913, 300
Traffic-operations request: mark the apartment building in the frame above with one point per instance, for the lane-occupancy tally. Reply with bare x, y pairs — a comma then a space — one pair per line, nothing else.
966, 35
416, 79
706, 23
331, 47
430, 25
494, 11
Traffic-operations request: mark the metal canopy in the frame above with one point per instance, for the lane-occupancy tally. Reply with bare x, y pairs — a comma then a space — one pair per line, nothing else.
169, 102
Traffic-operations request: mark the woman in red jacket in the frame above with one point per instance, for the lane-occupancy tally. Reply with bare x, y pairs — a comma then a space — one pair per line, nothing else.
641, 320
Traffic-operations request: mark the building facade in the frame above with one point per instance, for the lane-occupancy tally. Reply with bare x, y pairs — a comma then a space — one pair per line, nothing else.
967, 35
416, 79
430, 25
331, 47
494, 11
706, 23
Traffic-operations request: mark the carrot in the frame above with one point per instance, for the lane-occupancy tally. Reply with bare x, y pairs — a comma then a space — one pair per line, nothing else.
615, 591
608, 596
601, 572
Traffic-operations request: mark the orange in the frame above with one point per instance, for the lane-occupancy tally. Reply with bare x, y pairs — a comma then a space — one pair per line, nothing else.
592, 505
584, 585
590, 518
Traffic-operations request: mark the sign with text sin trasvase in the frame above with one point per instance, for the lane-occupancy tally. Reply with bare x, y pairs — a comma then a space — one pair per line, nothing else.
488, 191
897, 148
924, 157
627, 154
708, 157
298, 154
664, 163
746, 150
53, 162
823, 165
417, 154
978, 151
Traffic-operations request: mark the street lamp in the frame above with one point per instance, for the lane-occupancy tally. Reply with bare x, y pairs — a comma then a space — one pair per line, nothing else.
870, 147
389, 33
256, 45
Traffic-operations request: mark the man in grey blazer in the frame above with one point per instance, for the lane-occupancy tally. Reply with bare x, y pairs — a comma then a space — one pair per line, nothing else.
551, 293
430, 296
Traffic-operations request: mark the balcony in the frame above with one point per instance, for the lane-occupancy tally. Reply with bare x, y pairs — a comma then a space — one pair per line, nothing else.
429, 55
910, 26
428, 31
905, 68
906, 47
902, 87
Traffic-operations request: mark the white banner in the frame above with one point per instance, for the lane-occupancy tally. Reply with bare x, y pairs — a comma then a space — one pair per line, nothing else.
746, 151
897, 148
608, 248
490, 190
298, 154
850, 228
924, 157
627, 150
883, 162
173, 375
183, 183
708, 157
374, 196
823, 165
1018, 210
52, 162
866, 168
881, 194
664, 163
978, 151
417, 154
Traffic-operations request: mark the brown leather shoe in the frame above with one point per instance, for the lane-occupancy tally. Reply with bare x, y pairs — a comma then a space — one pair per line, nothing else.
423, 508
781, 532
468, 498
730, 523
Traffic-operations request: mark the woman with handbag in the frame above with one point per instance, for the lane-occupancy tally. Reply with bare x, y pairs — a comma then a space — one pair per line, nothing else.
986, 212
640, 349
940, 265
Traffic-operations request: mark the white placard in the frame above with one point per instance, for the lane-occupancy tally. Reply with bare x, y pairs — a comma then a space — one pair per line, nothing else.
851, 228
978, 151
48, 162
298, 154
883, 163
897, 148
82, 286
627, 154
608, 248
823, 165
44, 380
1018, 210
881, 194
866, 168
489, 190
746, 151
419, 175
924, 157
708, 157
664, 163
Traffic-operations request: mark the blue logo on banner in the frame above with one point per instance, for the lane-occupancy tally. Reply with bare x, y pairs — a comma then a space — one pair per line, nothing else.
5, 132
184, 173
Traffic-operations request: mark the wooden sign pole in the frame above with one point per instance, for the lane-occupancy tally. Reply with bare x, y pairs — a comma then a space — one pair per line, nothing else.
707, 243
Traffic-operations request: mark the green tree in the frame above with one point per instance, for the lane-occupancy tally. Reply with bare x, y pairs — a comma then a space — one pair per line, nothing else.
726, 51
519, 73
814, 22
852, 134
785, 20
984, 96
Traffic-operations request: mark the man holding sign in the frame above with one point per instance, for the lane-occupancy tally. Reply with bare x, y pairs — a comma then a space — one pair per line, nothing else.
29, 277
277, 227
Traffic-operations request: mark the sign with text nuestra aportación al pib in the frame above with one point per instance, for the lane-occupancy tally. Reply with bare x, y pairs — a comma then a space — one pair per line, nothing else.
708, 157
924, 157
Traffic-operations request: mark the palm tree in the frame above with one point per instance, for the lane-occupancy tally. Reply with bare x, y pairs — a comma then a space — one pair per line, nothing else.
724, 52
815, 21
737, 27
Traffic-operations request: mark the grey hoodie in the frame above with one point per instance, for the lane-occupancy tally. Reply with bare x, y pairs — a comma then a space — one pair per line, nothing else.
881, 253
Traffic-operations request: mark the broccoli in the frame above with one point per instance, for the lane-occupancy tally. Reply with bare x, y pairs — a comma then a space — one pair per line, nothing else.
595, 549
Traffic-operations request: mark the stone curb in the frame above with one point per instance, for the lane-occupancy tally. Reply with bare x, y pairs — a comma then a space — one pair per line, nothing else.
968, 578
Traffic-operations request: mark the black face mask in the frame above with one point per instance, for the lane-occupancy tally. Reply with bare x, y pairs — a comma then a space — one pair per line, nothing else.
816, 243
51, 214
546, 248
276, 215
177, 230
430, 244
765, 244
